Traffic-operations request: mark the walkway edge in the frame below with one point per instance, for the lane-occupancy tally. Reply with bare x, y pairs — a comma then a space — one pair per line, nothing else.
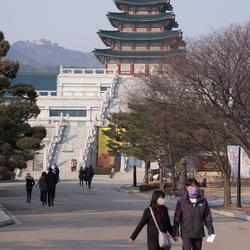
241, 216
4, 218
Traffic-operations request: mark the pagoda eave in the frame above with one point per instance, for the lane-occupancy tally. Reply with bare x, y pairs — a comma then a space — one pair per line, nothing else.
161, 4
140, 18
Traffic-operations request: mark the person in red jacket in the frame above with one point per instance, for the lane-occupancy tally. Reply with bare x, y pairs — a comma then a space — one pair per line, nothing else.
161, 216
192, 212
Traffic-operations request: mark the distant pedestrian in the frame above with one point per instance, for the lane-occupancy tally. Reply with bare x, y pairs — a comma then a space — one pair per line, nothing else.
192, 212
162, 217
81, 176
72, 165
29, 186
90, 174
56, 172
43, 188
51, 181
85, 175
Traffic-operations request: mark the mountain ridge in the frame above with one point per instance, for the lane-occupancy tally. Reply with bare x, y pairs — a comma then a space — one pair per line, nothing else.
44, 57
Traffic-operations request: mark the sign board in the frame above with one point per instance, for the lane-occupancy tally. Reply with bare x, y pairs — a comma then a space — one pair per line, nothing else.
233, 156
133, 161
105, 159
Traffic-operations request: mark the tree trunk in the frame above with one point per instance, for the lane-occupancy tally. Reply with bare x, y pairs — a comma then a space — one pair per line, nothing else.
227, 189
160, 177
147, 167
172, 171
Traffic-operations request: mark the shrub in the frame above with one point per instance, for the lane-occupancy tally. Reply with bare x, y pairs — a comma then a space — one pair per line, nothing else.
7, 175
101, 171
155, 185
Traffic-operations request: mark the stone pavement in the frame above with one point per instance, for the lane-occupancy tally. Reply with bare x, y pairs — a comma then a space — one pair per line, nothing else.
213, 195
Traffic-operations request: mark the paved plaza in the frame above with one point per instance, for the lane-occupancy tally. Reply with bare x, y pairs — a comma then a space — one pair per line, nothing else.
100, 218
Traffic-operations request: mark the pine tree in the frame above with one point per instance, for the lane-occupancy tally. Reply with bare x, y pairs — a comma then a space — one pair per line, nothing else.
17, 138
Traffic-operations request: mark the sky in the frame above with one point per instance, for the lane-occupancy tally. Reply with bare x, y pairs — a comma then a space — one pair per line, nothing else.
73, 24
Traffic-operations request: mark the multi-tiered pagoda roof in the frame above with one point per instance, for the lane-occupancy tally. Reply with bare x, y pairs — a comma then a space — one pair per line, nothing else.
144, 37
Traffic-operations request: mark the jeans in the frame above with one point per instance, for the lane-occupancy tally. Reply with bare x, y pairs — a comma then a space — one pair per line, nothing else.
43, 196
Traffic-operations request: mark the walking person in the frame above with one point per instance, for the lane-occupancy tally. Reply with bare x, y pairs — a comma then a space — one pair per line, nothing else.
29, 186
161, 216
51, 181
56, 172
192, 212
90, 174
43, 188
72, 165
81, 176
85, 175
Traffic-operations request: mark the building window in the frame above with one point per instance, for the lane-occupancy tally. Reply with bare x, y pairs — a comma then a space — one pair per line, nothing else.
72, 113
104, 88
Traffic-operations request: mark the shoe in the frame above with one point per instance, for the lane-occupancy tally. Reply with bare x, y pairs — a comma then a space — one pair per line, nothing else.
43, 203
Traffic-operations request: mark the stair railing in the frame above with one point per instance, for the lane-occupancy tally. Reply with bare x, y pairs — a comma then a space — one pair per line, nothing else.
56, 138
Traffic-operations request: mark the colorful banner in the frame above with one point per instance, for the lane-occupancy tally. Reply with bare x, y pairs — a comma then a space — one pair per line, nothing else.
105, 159
233, 156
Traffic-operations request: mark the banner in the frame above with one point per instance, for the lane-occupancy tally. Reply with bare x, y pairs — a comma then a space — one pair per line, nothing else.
105, 159
233, 156
132, 161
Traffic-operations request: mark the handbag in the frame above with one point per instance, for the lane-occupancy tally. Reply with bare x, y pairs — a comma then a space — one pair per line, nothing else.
163, 238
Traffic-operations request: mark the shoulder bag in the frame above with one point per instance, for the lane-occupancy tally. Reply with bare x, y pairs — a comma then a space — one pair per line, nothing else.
163, 238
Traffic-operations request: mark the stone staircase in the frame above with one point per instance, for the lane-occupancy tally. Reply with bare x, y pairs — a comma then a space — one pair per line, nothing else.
71, 147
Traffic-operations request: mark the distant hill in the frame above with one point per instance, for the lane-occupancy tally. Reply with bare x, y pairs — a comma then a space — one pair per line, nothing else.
43, 56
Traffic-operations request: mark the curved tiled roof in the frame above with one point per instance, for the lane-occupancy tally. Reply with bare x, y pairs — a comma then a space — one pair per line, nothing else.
119, 3
141, 2
140, 18
132, 54
113, 34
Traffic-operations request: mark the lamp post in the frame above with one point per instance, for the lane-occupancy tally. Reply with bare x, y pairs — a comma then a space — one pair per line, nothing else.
238, 181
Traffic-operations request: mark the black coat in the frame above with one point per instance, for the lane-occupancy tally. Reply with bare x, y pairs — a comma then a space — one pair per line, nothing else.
29, 182
51, 180
152, 232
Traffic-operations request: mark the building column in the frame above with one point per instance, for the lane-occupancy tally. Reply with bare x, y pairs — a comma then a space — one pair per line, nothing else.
122, 169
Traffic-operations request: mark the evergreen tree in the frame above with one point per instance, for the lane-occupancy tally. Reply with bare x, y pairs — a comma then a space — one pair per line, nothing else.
17, 138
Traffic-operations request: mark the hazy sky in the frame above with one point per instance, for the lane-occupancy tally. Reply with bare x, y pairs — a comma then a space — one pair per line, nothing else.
73, 24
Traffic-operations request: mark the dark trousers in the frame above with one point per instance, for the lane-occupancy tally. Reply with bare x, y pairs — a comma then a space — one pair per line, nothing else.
51, 195
81, 181
43, 196
89, 182
29, 191
191, 243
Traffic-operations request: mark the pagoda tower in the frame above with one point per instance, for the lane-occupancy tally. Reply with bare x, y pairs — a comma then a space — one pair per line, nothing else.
144, 38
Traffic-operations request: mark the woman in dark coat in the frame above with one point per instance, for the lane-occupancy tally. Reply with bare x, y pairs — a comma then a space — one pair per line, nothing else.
162, 218
43, 189
29, 186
